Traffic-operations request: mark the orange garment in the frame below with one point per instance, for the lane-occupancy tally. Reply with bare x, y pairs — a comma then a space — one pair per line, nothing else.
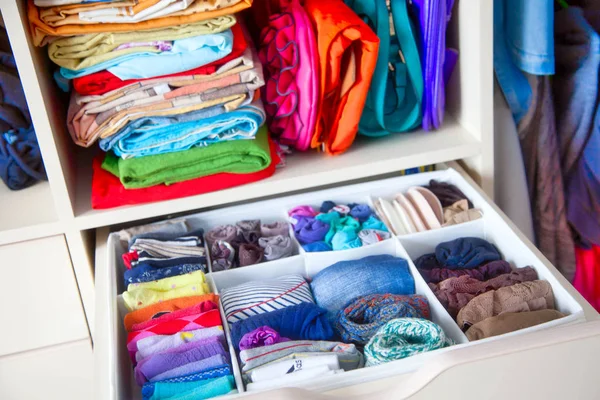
147, 313
347, 50
40, 30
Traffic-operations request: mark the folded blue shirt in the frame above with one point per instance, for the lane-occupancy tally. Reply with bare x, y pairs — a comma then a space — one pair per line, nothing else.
152, 136
185, 54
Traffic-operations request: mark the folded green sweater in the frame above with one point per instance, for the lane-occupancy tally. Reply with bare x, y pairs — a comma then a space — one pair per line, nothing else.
236, 156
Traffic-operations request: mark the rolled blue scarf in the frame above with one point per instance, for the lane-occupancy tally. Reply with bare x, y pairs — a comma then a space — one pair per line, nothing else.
151, 136
466, 252
304, 321
362, 318
404, 337
335, 286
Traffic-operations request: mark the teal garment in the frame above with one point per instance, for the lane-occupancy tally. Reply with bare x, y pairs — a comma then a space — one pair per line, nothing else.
404, 337
198, 390
374, 223
332, 218
394, 101
345, 239
338, 223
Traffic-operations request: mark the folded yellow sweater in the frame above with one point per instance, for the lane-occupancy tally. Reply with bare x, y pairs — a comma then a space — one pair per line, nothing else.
139, 295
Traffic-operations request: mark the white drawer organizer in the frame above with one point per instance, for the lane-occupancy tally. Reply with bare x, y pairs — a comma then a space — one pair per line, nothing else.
111, 353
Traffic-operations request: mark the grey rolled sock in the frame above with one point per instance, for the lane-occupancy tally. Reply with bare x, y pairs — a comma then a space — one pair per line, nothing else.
276, 247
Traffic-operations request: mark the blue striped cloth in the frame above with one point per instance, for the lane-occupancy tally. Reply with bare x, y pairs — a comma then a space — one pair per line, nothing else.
258, 297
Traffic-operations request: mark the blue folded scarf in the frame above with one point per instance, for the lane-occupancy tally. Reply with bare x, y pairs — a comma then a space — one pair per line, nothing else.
304, 321
466, 253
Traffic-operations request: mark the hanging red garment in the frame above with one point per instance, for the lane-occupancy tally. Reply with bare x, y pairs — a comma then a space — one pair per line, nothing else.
587, 274
347, 50
108, 191
103, 81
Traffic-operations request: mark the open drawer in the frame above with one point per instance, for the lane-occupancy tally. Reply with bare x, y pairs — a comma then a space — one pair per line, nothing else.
114, 373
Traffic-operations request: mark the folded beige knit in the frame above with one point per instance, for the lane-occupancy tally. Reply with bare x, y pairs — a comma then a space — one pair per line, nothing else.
459, 212
510, 322
526, 296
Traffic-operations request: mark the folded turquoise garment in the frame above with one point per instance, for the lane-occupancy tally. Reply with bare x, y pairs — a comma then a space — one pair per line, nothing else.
149, 387
157, 135
198, 390
185, 54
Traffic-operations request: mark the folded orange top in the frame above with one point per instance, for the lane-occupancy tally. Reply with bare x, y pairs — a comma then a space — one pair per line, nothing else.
40, 30
155, 310
347, 50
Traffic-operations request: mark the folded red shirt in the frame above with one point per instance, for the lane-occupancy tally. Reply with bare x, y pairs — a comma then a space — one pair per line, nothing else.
103, 81
108, 191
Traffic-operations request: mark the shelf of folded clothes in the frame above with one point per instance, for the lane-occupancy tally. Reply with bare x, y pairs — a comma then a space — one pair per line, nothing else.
175, 93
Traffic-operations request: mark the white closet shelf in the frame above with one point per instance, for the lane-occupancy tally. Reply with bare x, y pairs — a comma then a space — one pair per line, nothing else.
27, 214
366, 158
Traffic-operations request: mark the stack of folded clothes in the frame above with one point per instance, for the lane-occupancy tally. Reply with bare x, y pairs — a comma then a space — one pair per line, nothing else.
336, 226
424, 208
249, 242
175, 335
170, 90
485, 295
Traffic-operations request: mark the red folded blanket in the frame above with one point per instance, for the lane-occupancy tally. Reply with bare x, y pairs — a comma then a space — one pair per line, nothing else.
108, 191
102, 82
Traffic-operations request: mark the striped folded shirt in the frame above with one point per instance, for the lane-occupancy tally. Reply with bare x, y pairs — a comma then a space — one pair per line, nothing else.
258, 297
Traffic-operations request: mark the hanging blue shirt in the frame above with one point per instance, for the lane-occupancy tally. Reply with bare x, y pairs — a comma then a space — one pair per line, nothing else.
523, 42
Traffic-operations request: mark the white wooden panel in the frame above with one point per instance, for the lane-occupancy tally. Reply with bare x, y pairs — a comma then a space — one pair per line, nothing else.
41, 304
59, 372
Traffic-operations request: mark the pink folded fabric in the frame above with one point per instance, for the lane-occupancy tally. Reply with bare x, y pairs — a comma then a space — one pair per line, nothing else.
288, 51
